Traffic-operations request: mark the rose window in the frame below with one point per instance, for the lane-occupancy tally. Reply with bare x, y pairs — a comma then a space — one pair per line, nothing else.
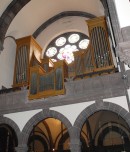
63, 46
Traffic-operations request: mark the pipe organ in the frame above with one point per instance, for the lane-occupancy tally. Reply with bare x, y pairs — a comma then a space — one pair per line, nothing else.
46, 78
100, 43
97, 58
26, 48
50, 83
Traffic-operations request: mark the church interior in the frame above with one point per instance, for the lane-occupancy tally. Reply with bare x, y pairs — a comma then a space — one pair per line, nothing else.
65, 76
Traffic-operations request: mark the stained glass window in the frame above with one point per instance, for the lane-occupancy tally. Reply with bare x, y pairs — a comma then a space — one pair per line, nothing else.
73, 38
60, 41
63, 46
83, 44
66, 53
51, 51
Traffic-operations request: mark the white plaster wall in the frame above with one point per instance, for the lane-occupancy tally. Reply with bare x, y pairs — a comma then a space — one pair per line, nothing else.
72, 111
121, 101
21, 118
37, 12
123, 11
7, 61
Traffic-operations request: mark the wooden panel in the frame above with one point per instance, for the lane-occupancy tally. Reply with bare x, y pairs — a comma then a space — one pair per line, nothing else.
47, 64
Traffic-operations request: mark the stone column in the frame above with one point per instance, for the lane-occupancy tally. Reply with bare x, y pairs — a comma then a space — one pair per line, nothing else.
75, 145
21, 148
114, 20
110, 11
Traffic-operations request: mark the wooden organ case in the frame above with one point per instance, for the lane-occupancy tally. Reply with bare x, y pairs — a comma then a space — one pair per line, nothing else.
46, 78
47, 83
26, 47
97, 58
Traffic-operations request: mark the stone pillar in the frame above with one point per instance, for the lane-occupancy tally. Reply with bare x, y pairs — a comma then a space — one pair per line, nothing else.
110, 11
21, 148
75, 145
114, 20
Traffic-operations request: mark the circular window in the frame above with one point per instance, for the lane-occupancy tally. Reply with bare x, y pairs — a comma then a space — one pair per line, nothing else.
83, 44
51, 51
73, 38
60, 41
63, 46
66, 53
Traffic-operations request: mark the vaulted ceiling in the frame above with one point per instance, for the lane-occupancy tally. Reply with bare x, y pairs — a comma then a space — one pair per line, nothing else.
35, 13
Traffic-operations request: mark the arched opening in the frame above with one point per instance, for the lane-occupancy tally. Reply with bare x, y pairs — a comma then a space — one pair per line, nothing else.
8, 139
105, 131
49, 135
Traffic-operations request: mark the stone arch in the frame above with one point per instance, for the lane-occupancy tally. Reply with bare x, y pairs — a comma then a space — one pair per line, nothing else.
105, 131
107, 106
13, 9
116, 126
59, 16
12, 124
8, 15
46, 113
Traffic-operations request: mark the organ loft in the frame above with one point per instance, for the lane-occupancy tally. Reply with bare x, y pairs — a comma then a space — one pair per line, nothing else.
45, 77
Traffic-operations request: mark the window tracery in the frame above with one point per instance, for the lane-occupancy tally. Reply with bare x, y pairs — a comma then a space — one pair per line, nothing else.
63, 46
